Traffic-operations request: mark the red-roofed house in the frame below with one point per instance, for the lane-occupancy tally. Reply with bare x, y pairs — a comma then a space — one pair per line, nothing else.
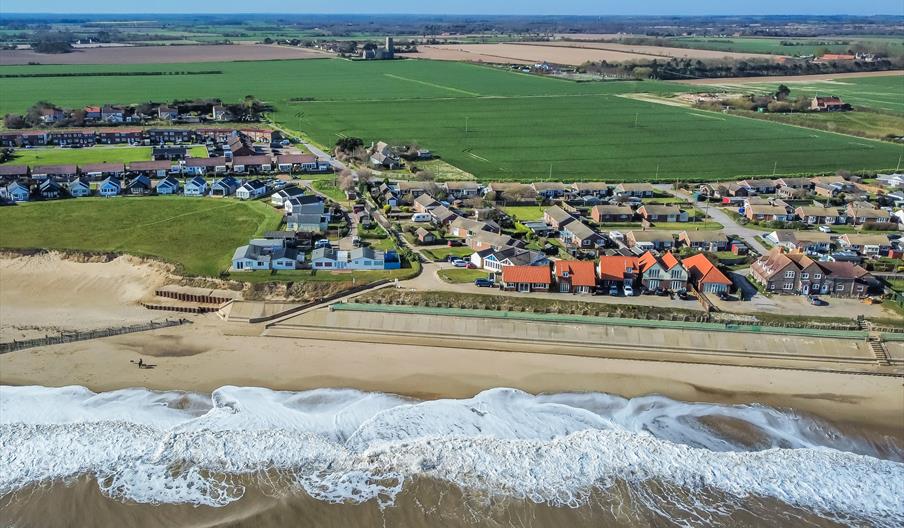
705, 276
828, 104
618, 270
575, 276
526, 278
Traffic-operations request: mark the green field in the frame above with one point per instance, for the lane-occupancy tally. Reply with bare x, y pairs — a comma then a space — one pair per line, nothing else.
802, 46
866, 124
524, 213
519, 127
200, 234
61, 156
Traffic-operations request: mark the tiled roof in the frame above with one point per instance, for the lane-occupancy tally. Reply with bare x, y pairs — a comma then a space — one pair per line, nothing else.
582, 272
703, 271
614, 267
529, 274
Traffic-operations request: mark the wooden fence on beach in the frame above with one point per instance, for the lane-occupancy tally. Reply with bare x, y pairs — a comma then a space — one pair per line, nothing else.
69, 337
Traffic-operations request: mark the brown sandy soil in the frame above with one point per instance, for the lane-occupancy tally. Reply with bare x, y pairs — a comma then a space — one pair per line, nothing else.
655, 51
791, 78
161, 54
45, 294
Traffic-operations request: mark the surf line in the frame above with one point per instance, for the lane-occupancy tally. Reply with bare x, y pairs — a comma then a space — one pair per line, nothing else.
425, 83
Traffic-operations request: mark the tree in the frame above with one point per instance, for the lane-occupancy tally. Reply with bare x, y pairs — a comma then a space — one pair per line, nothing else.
782, 92
642, 72
345, 180
14, 121
349, 144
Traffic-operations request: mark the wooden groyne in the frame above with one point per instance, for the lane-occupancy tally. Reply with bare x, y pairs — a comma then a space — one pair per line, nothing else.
69, 337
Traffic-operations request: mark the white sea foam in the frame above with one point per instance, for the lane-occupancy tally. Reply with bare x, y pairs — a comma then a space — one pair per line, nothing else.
350, 446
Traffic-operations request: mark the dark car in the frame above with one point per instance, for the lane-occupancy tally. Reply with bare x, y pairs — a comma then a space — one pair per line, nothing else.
662, 293
484, 283
816, 301
683, 295
454, 243
724, 296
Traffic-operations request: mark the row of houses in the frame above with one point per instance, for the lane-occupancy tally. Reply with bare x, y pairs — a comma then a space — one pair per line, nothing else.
856, 212
86, 137
798, 274
516, 192
256, 164
117, 114
649, 271
863, 245
275, 254
788, 188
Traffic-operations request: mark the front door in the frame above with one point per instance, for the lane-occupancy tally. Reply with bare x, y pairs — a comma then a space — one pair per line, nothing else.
523, 287
806, 289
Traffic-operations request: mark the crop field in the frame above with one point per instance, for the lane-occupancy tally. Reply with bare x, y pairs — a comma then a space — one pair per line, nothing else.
492, 123
186, 231
800, 46
67, 156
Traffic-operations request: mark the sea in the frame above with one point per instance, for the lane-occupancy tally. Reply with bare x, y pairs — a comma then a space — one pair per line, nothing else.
254, 457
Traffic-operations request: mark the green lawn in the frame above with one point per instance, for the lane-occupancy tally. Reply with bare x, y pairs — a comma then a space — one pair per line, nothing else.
442, 252
198, 151
525, 213
462, 276
65, 156
518, 126
200, 234
329, 188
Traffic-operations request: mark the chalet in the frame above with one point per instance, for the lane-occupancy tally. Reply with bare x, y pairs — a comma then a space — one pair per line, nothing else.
325, 258
78, 188
858, 212
662, 213
18, 192
224, 186
55, 172
705, 276
168, 185
279, 198
526, 278
116, 136
618, 270
79, 138
195, 186
495, 259
366, 258
202, 166
442, 215
112, 114
815, 215
424, 236
252, 164
828, 104
251, 189
767, 213
365, 220
867, 245
461, 189
139, 185
160, 136
711, 241
424, 203
99, 171
13, 172
611, 214
637, 190
111, 186
557, 218
549, 190
153, 169
598, 189
308, 222
647, 240
301, 163
575, 276
802, 241
49, 189
580, 235
266, 254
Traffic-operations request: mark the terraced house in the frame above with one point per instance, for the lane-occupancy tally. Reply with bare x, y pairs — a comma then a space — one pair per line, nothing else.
798, 274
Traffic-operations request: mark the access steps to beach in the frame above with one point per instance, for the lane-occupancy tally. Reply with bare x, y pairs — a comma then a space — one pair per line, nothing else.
878, 347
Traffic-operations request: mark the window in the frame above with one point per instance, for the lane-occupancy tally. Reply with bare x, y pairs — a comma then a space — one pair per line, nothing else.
789, 274
804, 275
788, 286
839, 287
817, 276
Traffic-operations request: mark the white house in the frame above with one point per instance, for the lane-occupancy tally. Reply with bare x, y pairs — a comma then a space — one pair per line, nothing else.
196, 186
78, 188
110, 187
279, 198
17, 192
325, 258
224, 187
168, 185
365, 258
251, 190
307, 222
266, 254
303, 204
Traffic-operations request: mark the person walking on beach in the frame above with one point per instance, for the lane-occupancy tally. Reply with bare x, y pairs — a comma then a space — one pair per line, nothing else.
140, 362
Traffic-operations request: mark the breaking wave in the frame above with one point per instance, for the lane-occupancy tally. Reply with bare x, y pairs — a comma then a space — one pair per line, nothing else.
350, 446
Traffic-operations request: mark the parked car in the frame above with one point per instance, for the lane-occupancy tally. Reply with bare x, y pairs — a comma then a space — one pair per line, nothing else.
454, 243
322, 243
629, 291
724, 296
356, 241
816, 301
683, 295
613, 291
484, 283
825, 229
662, 293
459, 263
471, 265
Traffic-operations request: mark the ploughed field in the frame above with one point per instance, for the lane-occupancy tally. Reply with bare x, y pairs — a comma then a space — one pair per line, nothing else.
200, 234
491, 122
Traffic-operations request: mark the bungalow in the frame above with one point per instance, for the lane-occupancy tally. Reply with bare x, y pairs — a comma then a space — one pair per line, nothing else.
866, 245
4, 194
168, 185
826, 190
169, 153
759, 186
442, 215
597, 189
51, 115
251, 189
891, 181
705, 276
424, 203
154, 169
111, 186
711, 241
202, 166
301, 163
325, 258
637, 190
78, 188
390, 199
487, 240
303, 204
220, 113
794, 183
526, 278
415, 189
511, 192
366, 258
18, 192
557, 218
575, 276
858, 212
767, 213
461, 189
262, 135
647, 240
802, 241
279, 198
618, 270
49, 189
541, 229
496, 259
662, 213
195, 186
790, 193
464, 227
580, 235
425, 237
139, 185
99, 171
307, 222
238, 145
549, 190
812, 215
56, 172
167, 113
365, 220
13, 172
384, 157
828, 104
92, 113
112, 114
611, 214
266, 254
252, 164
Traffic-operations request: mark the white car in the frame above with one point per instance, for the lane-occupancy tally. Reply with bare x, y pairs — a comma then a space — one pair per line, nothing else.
629, 291
459, 263
825, 229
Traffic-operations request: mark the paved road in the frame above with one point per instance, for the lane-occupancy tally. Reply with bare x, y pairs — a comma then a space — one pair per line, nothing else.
731, 227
